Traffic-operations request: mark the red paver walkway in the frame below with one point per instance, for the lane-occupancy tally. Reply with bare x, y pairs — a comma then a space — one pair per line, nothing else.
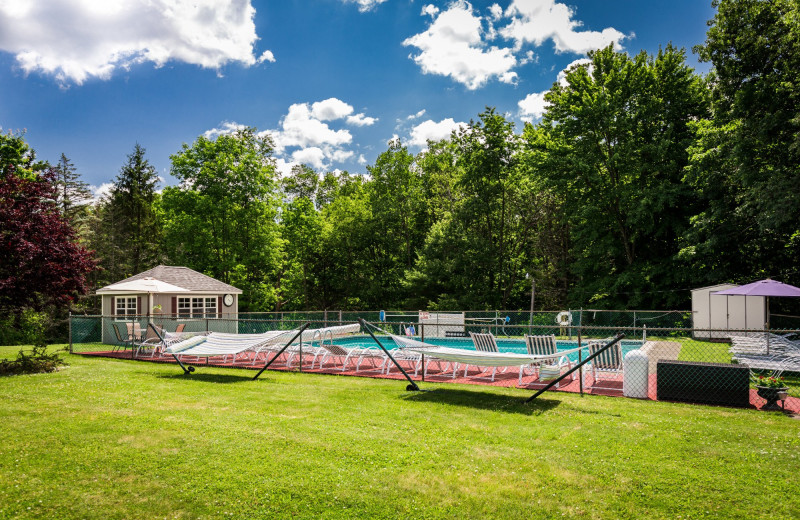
510, 378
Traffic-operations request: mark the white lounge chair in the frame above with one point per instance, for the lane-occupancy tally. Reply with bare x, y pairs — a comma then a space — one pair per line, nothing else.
777, 363
152, 341
545, 346
609, 363
484, 342
762, 344
408, 351
355, 355
310, 343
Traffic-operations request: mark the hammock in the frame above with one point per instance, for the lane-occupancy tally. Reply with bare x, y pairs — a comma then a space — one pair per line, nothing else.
474, 357
221, 343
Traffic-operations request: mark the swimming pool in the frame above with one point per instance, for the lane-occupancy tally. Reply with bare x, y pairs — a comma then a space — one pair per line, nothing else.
505, 345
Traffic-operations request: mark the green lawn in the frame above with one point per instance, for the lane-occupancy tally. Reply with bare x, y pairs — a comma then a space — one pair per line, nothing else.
110, 439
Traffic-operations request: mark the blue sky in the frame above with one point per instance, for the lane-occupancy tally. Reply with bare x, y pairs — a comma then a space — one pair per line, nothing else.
331, 80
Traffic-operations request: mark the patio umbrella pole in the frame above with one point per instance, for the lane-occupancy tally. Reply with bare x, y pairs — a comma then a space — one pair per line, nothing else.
304, 327
412, 386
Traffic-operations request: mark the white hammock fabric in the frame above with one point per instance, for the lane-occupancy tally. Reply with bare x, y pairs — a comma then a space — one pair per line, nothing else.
221, 343
474, 357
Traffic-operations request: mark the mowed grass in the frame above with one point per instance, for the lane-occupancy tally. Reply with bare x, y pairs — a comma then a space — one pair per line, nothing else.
108, 439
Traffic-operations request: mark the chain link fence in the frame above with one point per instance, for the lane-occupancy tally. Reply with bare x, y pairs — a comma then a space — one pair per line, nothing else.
659, 358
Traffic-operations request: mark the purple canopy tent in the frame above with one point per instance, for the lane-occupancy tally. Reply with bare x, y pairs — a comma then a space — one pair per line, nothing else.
764, 288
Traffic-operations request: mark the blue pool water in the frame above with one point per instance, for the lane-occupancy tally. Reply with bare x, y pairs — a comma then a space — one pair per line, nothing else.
505, 345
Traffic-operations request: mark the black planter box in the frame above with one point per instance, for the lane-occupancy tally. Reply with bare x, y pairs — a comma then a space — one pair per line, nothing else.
707, 383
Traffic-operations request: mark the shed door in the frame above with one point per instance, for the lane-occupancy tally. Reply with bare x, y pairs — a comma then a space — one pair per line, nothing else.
719, 314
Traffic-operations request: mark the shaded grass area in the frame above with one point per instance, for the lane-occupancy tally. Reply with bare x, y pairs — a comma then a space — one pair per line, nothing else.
106, 438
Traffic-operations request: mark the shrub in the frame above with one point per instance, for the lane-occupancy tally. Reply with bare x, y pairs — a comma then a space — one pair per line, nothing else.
34, 361
31, 329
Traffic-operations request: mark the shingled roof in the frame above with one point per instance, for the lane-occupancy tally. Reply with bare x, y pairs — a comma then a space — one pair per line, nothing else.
187, 278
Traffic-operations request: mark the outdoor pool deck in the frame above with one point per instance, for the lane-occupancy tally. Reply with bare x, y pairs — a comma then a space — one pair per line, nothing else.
509, 378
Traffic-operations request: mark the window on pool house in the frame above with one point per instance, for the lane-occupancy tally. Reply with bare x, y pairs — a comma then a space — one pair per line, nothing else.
197, 307
125, 307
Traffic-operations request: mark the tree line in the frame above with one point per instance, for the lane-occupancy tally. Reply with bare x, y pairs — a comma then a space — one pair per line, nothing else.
643, 179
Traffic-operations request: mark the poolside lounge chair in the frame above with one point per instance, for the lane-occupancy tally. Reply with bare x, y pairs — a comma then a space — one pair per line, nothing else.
408, 352
123, 340
134, 331
357, 355
153, 340
609, 363
545, 346
157, 339
312, 348
777, 363
484, 342
763, 344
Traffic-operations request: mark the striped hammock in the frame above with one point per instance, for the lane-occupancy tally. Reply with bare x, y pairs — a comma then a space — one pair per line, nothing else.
221, 343
474, 357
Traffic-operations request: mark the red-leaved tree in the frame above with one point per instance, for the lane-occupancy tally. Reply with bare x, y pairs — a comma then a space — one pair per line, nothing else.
41, 262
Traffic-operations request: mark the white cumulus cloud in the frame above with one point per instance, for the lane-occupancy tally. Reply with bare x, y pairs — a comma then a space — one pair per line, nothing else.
227, 127
311, 133
299, 127
266, 56
365, 5
533, 106
341, 155
312, 156
453, 46
75, 40
330, 109
102, 191
284, 167
430, 10
536, 21
361, 120
433, 131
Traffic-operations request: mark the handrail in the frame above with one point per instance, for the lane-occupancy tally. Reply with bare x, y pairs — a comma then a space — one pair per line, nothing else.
616, 339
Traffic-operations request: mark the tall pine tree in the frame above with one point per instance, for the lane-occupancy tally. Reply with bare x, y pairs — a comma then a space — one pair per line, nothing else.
129, 220
73, 194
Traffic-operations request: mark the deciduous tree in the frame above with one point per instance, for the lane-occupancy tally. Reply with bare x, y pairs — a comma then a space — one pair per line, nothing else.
41, 262
222, 219
747, 164
615, 149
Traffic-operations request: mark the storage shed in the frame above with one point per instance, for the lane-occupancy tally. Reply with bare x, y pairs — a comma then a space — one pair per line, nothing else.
716, 315
170, 295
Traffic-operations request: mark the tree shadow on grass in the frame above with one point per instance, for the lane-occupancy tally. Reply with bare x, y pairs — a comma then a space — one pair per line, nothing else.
208, 378
484, 401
